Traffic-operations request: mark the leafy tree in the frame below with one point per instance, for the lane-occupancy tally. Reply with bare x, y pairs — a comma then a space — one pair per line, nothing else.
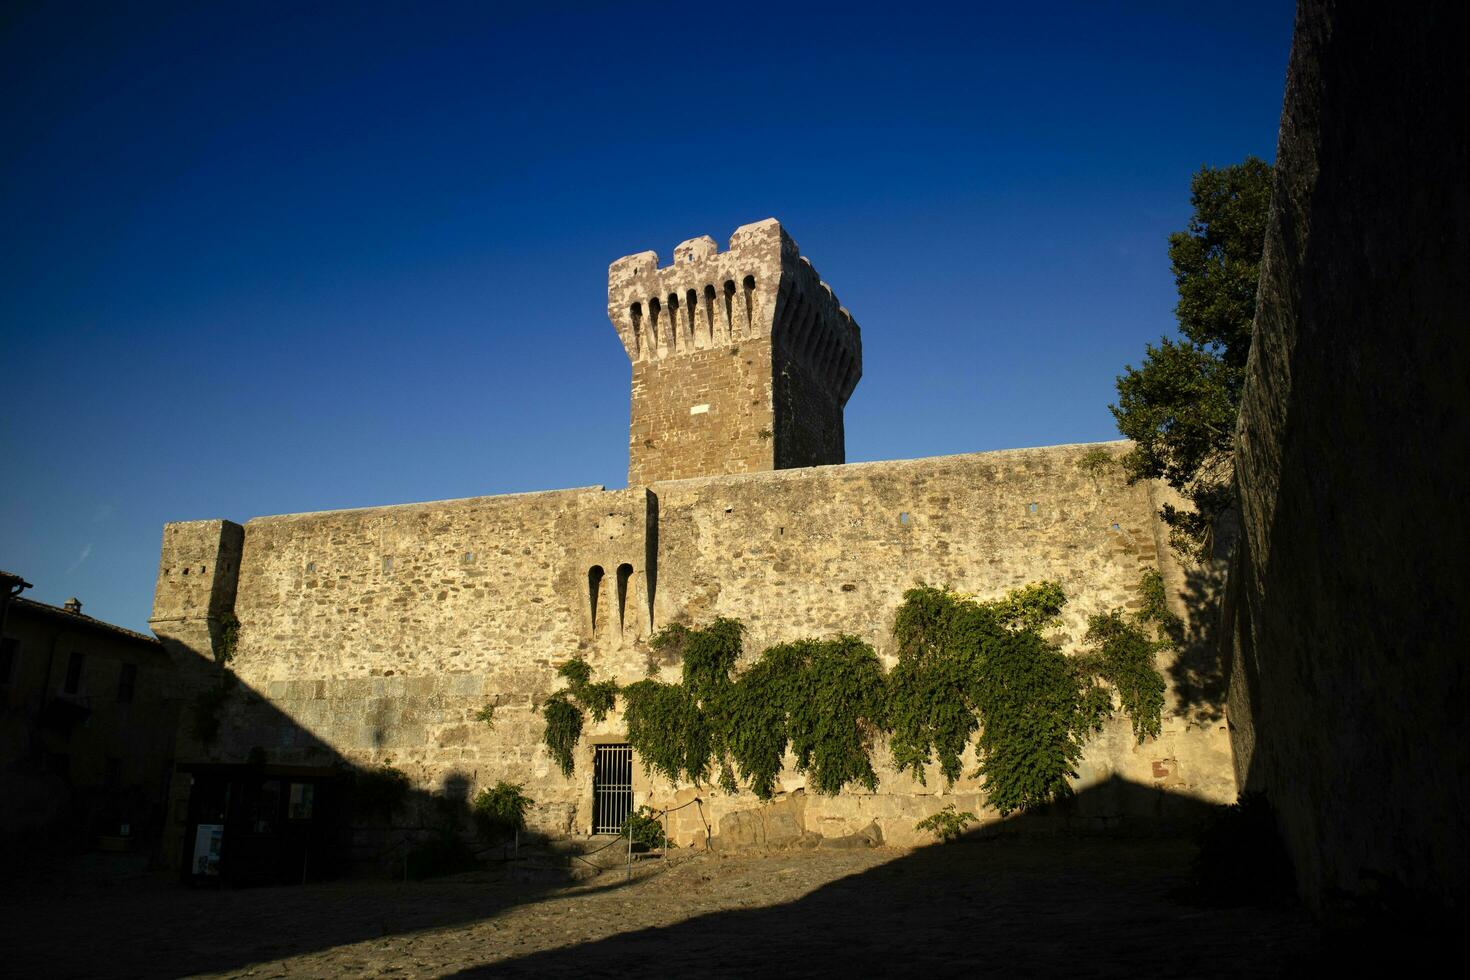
1179, 406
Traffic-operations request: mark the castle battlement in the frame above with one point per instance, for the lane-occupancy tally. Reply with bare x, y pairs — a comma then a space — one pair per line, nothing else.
761, 286
761, 293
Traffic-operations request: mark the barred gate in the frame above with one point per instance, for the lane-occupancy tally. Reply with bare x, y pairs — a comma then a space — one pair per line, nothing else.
612, 787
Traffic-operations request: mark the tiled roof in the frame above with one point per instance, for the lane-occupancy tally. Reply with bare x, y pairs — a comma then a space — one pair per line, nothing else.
79, 619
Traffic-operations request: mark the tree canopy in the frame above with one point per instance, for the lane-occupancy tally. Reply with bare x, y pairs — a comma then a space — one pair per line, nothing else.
1179, 406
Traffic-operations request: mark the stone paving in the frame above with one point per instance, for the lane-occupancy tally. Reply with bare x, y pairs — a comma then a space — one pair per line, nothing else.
1012, 907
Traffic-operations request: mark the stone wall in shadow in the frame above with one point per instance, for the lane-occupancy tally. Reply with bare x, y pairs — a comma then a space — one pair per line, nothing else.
1348, 622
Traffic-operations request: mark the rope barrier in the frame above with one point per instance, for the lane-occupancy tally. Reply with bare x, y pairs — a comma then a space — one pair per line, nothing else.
660, 814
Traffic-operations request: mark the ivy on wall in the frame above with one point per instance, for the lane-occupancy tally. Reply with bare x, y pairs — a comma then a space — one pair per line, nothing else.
967, 670
564, 711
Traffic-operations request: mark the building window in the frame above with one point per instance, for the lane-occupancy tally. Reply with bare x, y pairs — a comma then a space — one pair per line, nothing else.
9, 654
594, 589
127, 681
73, 681
625, 572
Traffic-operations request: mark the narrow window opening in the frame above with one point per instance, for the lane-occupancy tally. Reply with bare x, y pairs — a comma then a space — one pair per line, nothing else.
311, 568
594, 589
469, 556
653, 338
127, 682
635, 313
73, 680
674, 318
203, 569
903, 517
730, 308
691, 305
1031, 508
387, 564
625, 572
749, 304
709, 311
1115, 527
186, 569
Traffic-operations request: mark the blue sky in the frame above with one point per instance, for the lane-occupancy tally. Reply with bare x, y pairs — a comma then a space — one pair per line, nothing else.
264, 258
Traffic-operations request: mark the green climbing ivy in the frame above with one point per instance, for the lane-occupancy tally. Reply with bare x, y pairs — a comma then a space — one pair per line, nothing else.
667, 729
564, 711
823, 699
967, 670
968, 667
1123, 651
225, 638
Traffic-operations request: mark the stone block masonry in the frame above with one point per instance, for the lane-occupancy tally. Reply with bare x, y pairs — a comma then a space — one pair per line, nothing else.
742, 360
381, 632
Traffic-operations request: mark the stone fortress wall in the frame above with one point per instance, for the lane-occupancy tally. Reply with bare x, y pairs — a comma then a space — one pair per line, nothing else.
380, 633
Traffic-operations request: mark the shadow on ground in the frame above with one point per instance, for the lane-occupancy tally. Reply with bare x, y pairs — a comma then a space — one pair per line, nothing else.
1017, 899
1041, 902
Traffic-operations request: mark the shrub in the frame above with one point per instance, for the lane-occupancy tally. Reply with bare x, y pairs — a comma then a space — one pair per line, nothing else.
947, 824
646, 827
501, 811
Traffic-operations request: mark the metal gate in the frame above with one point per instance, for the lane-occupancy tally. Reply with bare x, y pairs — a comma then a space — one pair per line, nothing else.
612, 787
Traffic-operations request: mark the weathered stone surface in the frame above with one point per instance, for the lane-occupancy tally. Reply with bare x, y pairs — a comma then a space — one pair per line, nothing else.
1349, 621
769, 826
742, 360
378, 634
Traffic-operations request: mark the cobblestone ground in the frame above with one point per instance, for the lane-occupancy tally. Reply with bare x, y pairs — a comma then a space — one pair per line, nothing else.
1003, 907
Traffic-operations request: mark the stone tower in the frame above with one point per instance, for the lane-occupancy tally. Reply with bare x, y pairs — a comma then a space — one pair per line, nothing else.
742, 360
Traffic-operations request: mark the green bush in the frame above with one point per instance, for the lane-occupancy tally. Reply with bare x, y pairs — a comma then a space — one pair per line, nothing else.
501, 811
947, 824
646, 827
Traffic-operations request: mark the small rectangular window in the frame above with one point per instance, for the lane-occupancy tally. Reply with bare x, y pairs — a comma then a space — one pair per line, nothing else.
73, 681
127, 681
9, 654
301, 801
387, 564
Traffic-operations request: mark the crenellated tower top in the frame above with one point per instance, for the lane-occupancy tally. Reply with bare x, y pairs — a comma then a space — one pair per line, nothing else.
760, 300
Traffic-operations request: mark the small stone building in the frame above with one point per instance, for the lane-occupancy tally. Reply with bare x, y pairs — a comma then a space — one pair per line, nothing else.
376, 636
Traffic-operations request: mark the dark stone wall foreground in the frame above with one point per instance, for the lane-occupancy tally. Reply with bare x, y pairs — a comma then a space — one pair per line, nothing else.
1349, 616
